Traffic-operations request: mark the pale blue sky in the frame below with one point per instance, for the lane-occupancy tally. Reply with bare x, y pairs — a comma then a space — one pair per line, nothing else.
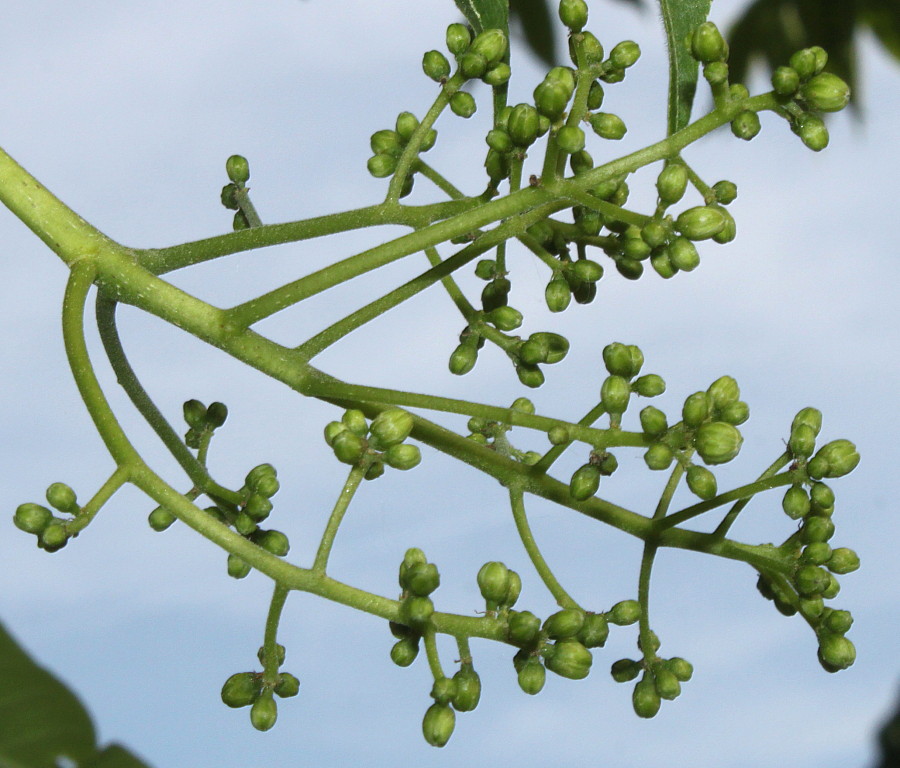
127, 112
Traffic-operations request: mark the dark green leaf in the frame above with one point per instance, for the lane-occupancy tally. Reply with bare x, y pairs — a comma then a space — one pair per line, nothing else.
485, 14
680, 18
883, 16
538, 27
115, 756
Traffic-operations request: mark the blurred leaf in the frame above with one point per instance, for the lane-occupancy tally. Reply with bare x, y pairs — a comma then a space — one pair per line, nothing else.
680, 18
538, 27
42, 721
883, 17
485, 14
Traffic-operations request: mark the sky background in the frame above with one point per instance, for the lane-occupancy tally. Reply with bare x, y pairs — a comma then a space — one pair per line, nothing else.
128, 111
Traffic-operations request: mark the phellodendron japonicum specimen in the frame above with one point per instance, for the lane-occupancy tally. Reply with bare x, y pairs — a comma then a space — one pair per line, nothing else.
565, 210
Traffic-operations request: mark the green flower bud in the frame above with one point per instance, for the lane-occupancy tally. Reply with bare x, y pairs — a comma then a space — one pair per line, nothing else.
272, 541
244, 524
817, 553
216, 414
563, 75
696, 409
594, 631
735, 413
836, 652
809, 416
194, 414
618, 360
573, 13
811, 608
267, 486
558, 294
672, 183
332, 430
803, 441
840, 457
795, 502
523, 405
570, 659
32, 518
595, 94
667, 685
811, 580
403, 456
498, 74
462, 104
355, 421
529, 375
381, 166
515, 588
524, 627
723, 391
833, 588
816, 529
241, 689
812, 132
590, 221
615, 393
645, 698
558, 435
279, 654
458, 38
505, 318
717, 442
839, 622
624, 613
523, 125
348, 448
258, 506
54, 536
653, 421
386, 142
587, 271
264, 712
493, 582
438, 724
624, 54
625, 670
62, 497
570, 139
683, 254
746, 125
701, 222
422, 579
738, 92
406, 125
658, 456
716, 72
661, 263
435, 65
416, 612
229, 197
428, 141
532, 676
649, 385
237, 568
702, 482
821, 496
825, 92
500, 141
551, 98
589, 48
608, 126
287, 685
467, 691
443, 689
495, 294
563, 624
585, 482
681, 668
492, 44
707, 43
729, 231
843, 560
785, 81
654, 233
404, 651
463, 359
804, 63
238, 169
390, 427
726, 191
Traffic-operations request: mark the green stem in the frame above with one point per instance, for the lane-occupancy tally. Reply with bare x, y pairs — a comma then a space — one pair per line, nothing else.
465, 653
431, 652
247, 207
357, 473
557, 450
517, 502
270, 638
89, 511
462, 303
644, 632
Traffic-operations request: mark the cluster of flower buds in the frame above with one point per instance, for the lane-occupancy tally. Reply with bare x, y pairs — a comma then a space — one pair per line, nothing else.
388, 145
51, 530
373, 445
235, 195
254, 690
493, 433
659, 678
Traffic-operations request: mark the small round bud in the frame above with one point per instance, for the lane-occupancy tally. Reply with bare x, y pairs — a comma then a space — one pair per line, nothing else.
812, 132
802, 442
836, 652
287, 685
355, 420
403, 456
585, 482
573, 13
241, 689
238, 169
267, 485
726, 191
661, 263
229, 197
381, 166
160, 519
438, 724
463, 359
681, 668
653, 421
551, 98
822, 496
717, 442
624, 613
458, 38
237, 568
532, 676
672, 183
524, 627
462, 104
837, 458
667, 685
570, 659
608, 126
565, 623
505, 318
817, 529
839, 622
274, 542
348, 448
615, 393
716, 72
810, 416
683, 254
645, 698
332, 430
746, 125
735, 413
811, 580
435, 65
500, 141
625, 670
467, 689
785, 81
649, 385
723, 391
702, 482
624, 54
264, 712
32, 518
493, 582
729, 231
804, 63
594, 631
422, 579
416, 612
523, 125
492, 44
843, 560
54, 536
696, 409
497, 75
570, 139
558, 294
659, 456
618, 360
62, 497
390, 427
386, 142
406, 125
701, 222
595, 94
795, 502
707, 43
825, 92
404, 651
194, 414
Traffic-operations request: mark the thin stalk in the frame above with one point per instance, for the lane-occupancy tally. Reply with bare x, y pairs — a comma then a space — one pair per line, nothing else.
431, 652
270, 637
89, 511
357, 473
